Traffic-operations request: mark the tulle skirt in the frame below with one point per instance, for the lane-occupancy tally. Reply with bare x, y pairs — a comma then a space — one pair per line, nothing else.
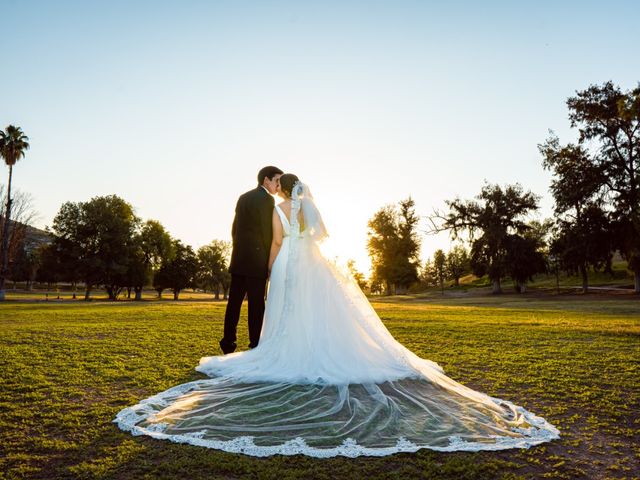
328, 379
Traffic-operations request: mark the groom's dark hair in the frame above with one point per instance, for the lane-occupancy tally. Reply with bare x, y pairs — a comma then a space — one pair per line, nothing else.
268, 172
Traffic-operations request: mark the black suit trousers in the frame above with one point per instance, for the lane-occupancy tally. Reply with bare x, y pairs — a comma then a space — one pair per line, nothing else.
254, 289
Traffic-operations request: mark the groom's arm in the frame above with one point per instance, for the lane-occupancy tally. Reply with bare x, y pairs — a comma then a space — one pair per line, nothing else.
234, 226
265, 224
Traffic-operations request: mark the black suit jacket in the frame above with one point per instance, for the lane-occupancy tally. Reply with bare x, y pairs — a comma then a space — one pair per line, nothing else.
252, 234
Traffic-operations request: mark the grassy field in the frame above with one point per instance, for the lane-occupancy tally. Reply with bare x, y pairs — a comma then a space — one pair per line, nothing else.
68, 366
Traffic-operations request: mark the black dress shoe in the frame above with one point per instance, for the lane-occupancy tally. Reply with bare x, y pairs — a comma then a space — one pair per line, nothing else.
227, 347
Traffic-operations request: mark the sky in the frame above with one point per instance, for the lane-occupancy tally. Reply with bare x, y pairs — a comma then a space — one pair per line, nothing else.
175, 106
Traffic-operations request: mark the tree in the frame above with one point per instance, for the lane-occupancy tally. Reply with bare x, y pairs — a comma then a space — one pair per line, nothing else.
112, 226
152, 246
524, 259
178, 273
495, 214
49, 268
407, 256
458, 263
62, 259
582, 232
356, 274
156, 243
213, 267
541, 231
394, 246
13, 145
22, 266
439, 268
608, 120
138, 271
426, 274
96, 238
376, 286
23, 215
583, 241
382, 245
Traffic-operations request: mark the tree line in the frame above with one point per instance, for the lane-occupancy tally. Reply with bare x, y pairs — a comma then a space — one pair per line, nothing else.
595, 187
596, 192
101, 243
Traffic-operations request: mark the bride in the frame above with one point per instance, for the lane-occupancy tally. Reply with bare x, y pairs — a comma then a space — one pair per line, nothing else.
327, 378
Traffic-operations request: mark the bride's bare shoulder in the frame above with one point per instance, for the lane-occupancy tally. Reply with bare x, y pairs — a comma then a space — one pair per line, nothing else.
285, 206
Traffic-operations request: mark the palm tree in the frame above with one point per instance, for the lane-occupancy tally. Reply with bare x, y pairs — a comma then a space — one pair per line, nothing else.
13, 143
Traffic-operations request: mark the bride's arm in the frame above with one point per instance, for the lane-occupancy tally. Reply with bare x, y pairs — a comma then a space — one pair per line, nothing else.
276, 242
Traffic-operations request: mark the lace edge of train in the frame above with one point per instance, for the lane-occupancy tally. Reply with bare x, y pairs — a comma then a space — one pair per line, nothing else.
127, 419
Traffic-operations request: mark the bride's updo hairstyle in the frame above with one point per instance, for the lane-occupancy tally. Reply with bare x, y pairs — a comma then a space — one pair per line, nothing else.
287, 181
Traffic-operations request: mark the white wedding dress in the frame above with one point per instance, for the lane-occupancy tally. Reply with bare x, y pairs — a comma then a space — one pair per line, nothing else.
327, 378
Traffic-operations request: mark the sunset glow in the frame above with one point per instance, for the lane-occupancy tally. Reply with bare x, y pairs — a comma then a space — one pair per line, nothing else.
175, 110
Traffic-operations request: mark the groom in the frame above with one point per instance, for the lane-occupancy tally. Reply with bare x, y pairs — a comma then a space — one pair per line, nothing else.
251, 234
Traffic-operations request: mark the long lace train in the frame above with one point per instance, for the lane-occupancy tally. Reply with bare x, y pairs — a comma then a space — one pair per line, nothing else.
263, 419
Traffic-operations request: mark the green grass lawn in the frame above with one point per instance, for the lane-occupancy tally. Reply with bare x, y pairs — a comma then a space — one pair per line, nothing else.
68, 367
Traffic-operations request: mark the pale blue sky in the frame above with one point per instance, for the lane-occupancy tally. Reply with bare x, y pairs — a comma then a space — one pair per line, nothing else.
176, 105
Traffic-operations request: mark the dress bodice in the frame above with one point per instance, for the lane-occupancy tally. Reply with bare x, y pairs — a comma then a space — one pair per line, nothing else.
286, 226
